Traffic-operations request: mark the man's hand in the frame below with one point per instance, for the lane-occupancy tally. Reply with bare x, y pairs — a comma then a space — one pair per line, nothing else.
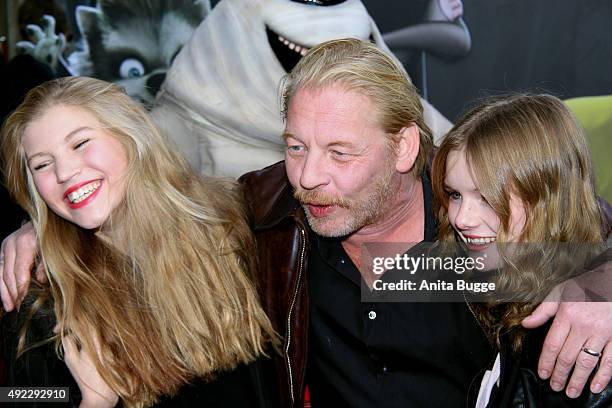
577, 325
17, 258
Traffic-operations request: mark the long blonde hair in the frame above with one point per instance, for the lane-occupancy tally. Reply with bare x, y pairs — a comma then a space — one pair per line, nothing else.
174, 300
530, 146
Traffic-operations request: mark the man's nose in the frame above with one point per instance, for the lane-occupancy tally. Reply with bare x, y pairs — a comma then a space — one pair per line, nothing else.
314, 173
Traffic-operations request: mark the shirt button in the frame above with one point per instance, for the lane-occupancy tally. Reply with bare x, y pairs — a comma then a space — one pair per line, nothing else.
372, 315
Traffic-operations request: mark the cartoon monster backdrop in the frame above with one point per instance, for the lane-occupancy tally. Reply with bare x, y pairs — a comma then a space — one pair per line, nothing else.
220, 99
220, 102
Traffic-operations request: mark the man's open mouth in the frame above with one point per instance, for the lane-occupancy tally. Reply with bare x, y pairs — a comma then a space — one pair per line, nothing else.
320, 210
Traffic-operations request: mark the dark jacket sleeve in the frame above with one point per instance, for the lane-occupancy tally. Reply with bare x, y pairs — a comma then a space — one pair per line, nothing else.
520, 385
39, 365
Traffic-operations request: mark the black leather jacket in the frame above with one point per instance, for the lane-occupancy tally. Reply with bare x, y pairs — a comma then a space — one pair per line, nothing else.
281, 232
521, 387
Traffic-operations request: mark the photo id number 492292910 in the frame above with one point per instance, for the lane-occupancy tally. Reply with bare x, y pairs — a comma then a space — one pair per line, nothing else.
33, 394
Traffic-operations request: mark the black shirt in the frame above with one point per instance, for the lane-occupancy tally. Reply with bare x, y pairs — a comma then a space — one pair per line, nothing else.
376, 354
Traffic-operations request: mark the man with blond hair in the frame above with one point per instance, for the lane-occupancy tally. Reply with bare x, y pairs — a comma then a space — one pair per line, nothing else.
356, 172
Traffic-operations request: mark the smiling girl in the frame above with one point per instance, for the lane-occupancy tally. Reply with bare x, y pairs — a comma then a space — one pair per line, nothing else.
518, 170
147, 263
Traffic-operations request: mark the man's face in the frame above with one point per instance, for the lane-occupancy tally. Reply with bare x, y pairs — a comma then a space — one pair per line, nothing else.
338, 160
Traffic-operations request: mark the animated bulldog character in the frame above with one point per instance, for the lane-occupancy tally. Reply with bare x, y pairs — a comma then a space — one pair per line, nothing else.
219, 102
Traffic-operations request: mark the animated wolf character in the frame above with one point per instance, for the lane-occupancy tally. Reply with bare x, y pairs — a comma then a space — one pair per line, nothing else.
219, 102
133, 43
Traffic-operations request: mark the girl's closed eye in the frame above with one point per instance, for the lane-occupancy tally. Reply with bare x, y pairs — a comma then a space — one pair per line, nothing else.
40, 166
80, 143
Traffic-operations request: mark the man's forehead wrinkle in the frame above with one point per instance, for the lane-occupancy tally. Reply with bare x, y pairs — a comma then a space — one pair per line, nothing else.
330, 117
331, 103
338, 127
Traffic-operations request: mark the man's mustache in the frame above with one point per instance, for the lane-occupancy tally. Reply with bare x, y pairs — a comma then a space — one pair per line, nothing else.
315, 197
